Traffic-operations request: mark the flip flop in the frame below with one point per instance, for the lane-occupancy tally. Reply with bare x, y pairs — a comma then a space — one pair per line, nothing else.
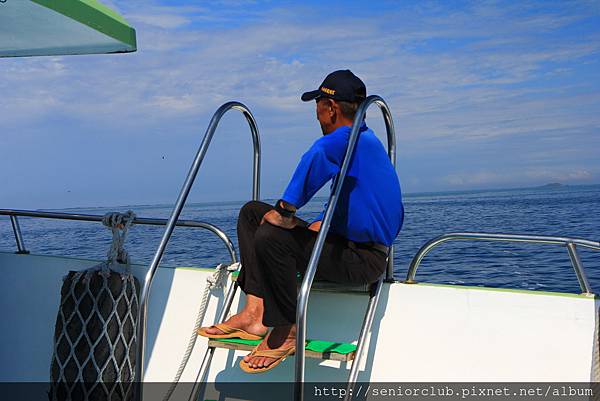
228, 332
279, 355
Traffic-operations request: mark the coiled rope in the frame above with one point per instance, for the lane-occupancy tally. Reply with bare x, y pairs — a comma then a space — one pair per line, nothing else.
119, 224
216, 281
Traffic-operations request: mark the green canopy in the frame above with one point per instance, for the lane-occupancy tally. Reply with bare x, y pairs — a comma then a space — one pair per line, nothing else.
59, 27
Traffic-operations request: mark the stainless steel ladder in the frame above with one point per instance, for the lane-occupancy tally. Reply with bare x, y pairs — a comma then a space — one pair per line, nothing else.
374, 290
172, 222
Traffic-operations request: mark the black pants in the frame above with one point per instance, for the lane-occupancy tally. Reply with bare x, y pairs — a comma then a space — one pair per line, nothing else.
271, 257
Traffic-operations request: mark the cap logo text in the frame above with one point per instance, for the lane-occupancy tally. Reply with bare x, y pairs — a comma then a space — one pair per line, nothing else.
327, 90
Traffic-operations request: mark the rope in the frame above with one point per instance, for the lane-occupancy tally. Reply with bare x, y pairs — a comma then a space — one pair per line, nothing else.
596, 354
119, 224
217, 280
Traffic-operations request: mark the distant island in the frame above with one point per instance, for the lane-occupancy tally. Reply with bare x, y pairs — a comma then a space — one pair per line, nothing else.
552, 185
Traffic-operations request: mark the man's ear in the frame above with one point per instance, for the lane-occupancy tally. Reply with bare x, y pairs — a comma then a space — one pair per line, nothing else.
333, 107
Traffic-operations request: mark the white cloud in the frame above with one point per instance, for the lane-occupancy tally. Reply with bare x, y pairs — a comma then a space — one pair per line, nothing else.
174, 103
160, 21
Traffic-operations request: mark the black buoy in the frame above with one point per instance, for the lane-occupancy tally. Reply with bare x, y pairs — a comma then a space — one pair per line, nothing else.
95, 332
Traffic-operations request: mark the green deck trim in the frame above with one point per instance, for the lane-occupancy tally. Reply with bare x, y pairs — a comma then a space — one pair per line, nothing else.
511, 290
311, 345
95, 15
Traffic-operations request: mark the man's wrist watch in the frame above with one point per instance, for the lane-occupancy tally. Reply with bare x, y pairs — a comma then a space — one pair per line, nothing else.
283, 211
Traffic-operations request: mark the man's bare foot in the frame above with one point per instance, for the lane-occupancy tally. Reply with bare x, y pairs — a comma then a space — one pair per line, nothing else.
281, 337
249, 319
244, 321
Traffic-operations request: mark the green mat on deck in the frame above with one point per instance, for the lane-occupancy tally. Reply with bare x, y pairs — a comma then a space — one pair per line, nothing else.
311, 345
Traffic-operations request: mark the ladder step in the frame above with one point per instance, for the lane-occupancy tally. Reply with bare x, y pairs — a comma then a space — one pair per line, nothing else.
314, 348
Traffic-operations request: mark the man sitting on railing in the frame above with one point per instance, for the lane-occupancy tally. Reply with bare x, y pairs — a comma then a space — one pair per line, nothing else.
275, 244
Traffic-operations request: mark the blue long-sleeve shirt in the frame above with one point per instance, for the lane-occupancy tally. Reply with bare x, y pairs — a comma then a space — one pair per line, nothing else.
370, 206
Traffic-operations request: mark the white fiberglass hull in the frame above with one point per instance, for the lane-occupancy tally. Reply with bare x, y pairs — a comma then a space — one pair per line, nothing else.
421, 332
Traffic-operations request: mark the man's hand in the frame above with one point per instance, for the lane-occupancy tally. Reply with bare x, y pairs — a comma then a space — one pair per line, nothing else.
273, 217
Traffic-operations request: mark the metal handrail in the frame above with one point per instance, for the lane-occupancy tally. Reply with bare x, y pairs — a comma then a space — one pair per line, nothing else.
189, 181
570, 243
318, 247
13, 213
18, 236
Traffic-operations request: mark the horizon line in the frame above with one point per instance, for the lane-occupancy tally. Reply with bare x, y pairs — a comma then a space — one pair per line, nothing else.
407, 194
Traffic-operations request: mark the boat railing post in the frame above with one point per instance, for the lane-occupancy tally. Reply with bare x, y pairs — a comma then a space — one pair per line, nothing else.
309, 275
181, 199
18, 236
570, 243
578, 267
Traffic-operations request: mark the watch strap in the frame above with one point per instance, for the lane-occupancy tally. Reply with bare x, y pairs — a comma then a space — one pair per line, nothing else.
283, 211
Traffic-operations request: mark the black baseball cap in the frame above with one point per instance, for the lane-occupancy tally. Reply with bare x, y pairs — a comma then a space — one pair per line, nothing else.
339, 85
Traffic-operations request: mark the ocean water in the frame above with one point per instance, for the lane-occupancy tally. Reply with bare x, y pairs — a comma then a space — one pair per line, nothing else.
564, 211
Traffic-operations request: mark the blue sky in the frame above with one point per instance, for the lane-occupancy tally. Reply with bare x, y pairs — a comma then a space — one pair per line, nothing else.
484, 94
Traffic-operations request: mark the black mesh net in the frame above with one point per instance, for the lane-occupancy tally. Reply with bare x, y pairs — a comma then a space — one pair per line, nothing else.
95, 337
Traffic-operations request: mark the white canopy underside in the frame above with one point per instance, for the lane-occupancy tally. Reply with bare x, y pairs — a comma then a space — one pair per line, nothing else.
31, 29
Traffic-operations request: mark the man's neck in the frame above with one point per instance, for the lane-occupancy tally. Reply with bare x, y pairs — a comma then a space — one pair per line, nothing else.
341, 123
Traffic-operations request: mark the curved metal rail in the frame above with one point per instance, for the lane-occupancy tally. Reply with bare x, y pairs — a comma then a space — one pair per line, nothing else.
570, 243
189, 181
93, 217
318, 247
